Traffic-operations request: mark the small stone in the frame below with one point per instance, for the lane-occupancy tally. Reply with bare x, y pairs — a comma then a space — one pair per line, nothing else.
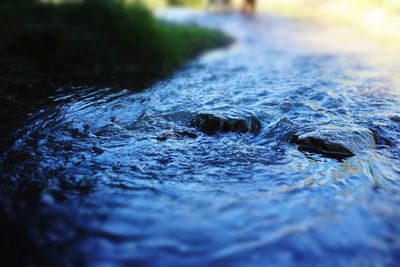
165, 160
188, 134
212, 124
175, 135
68, 147
75, 132
97, 150
395, 118
136, 168
166, 135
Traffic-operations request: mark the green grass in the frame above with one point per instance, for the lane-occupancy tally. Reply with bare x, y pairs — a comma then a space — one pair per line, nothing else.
190, 3
94, 42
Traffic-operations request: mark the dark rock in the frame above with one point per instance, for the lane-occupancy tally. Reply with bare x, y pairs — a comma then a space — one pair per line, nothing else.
395, 118
76, 133
212, 124
188, 134
165, 160
335, 142
382, 137
97, 150
136, 168
68, 147
165, 136
175, 135
322, 147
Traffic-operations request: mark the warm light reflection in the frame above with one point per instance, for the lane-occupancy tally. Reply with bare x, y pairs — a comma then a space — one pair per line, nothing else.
380, 19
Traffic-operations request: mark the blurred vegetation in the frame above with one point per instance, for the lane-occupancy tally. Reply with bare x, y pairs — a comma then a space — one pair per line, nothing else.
89, 42
164, 3
192, 3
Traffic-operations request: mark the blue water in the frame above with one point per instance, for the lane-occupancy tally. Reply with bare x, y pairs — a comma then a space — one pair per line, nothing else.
107, 192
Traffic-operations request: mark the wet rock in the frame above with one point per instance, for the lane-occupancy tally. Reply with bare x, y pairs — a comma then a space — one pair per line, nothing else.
164, 137
176, 135
322, 147
165, 160
335, 142
382, 137
68, 147
76, 133
214, 123
97, 150
395, 118
188, 134
137, 168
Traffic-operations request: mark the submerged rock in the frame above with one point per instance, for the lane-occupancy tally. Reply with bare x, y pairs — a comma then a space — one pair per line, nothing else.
382, 137
170, 134
322, 147
335, 142
395, 118
97, 150
213, 123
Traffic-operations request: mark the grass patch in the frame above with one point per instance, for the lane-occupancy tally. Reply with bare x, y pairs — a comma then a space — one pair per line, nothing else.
89, 43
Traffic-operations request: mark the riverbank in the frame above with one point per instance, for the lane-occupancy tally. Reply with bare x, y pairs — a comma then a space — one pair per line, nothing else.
43, 46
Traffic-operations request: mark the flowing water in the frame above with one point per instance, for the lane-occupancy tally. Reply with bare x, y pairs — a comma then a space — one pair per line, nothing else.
101, 178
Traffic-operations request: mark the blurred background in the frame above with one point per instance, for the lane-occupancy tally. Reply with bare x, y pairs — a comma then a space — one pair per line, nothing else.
380, 17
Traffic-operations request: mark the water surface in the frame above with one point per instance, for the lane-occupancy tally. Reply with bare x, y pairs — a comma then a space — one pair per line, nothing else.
94, 185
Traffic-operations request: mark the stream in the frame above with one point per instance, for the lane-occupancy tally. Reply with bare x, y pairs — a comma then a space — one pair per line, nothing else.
109, 177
